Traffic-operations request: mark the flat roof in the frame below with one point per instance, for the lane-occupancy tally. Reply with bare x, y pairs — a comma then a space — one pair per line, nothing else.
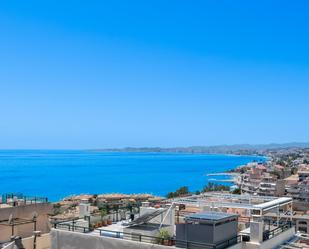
273, 203
210, 216
249, 202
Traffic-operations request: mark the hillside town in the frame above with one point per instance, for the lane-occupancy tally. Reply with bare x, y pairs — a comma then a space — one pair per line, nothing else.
270, 210
285, 173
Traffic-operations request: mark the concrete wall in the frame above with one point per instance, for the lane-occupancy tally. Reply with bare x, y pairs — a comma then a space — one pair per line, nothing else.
280, 187
70, 240
25, 212
42, 242
300, 205
206, 233
134, 234
113, 216
9, 246
237, 246
152, 230
191, 232
225, 231
271, 243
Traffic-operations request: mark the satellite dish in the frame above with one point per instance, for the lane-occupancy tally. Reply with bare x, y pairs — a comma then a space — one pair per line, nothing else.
10, 220
34, 215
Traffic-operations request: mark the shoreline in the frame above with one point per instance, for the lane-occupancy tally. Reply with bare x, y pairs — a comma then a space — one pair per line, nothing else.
109, 174
232, 174
175, 152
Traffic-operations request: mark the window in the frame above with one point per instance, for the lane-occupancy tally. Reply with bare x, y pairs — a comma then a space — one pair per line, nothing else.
302, 229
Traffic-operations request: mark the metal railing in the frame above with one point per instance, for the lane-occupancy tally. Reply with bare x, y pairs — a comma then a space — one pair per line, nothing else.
147, 238
72, 227
20, 199
274, 232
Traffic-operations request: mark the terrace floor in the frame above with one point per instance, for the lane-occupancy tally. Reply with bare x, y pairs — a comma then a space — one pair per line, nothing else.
115, 227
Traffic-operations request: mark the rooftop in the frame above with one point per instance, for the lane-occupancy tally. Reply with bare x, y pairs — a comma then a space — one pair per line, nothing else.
292, 178
18, 199
219, 200
210, 216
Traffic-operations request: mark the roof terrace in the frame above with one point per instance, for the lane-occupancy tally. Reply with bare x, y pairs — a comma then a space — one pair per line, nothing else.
18, 199
139, 231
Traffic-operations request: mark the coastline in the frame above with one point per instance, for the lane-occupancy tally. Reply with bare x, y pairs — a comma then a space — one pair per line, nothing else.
108, 172
233, 174
174, 152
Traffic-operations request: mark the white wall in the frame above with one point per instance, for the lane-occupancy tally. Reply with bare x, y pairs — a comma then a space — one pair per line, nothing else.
273, 242
42, 242
9, 246
237, 246
71, 240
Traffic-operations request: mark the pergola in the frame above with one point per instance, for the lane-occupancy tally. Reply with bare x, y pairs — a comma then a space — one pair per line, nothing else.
258, 206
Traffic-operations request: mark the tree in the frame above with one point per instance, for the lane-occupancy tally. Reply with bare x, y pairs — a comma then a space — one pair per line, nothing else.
103, 213
179, 192
182, 191
170, 195
236, 191
215, 187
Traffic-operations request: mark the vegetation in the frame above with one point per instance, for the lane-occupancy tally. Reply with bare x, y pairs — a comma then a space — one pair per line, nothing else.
183, 191
164, 234
57, 209
103, 213
164, 237
293, 170
236, 191
215, 187
179, 192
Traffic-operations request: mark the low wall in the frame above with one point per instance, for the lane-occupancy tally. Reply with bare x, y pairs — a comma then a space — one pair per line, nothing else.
71, 240
237, 246
273, 242
42, 242
9, 246
300, 205
26, 211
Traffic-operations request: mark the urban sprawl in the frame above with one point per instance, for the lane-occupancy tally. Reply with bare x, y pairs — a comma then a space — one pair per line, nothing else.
267, 208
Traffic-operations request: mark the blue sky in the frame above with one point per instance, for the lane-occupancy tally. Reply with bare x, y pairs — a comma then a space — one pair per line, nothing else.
98, 74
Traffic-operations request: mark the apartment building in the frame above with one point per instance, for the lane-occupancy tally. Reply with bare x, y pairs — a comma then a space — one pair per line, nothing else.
297, 186
258, 181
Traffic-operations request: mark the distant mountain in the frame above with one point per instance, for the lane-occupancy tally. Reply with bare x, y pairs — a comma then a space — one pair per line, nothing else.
241, 149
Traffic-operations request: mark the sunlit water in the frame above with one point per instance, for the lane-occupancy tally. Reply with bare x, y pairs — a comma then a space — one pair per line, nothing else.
56, 174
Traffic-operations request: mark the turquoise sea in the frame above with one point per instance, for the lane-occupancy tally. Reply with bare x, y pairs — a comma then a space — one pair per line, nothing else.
56, 174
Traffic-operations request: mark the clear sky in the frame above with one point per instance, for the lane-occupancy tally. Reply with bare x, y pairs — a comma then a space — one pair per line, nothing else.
98, 74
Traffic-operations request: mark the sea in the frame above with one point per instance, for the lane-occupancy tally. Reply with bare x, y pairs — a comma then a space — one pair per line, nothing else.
57, 174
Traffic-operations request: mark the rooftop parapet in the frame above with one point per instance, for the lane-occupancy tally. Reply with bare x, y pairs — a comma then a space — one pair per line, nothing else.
18, 199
